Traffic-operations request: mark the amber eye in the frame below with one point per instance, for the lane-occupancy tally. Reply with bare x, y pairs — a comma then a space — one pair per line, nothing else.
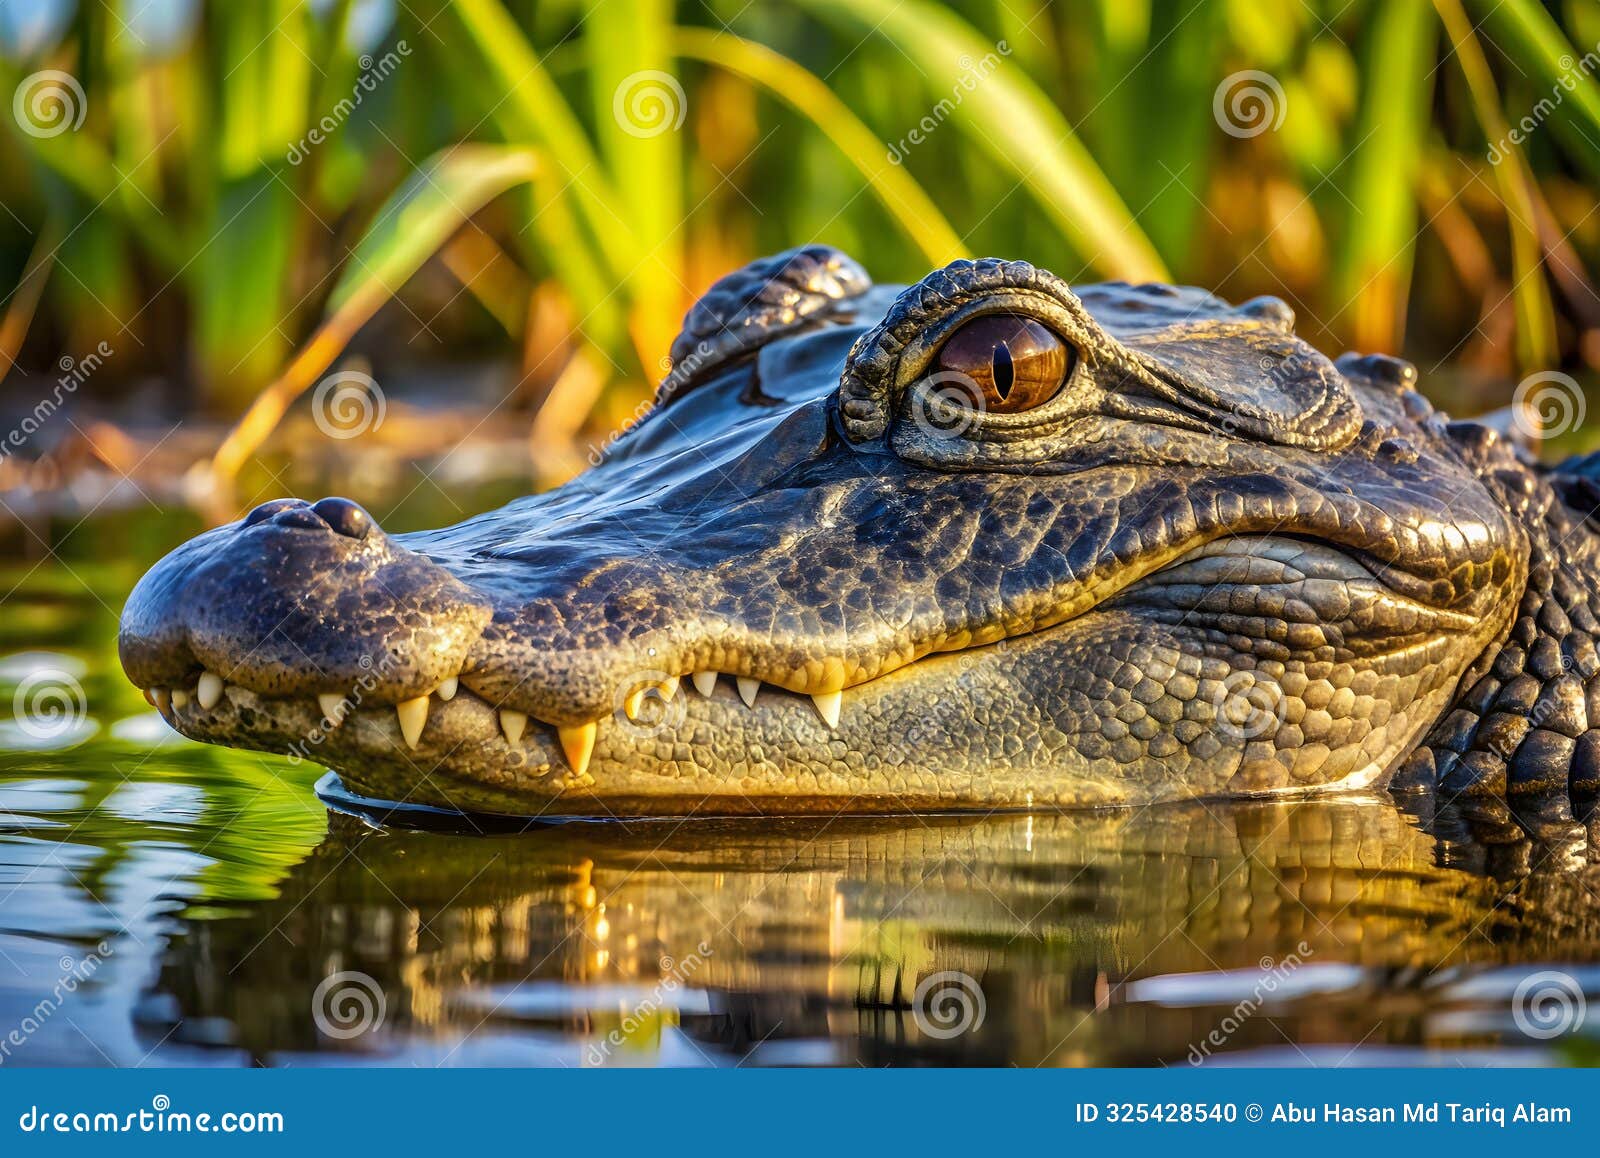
1015, 363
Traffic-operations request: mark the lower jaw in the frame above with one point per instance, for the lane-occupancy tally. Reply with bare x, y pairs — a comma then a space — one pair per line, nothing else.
891, 752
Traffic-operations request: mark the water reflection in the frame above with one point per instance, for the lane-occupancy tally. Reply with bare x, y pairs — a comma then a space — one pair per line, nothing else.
1311, 929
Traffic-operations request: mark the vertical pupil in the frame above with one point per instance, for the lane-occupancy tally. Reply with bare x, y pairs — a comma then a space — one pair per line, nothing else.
1003, 372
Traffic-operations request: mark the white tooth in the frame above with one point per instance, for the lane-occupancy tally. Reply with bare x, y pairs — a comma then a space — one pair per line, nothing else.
512, 723
748, 688
332, 706
162, 699
209, 690
447, 689
633, 702
578, 744
828, 707
180, 698
413, 715
669, 688
705, 682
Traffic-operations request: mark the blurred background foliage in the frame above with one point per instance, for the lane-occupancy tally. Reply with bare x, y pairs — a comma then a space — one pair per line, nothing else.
258, 188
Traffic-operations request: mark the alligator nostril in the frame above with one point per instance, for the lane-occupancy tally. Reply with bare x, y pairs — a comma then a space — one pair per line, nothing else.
267, 510
344, 516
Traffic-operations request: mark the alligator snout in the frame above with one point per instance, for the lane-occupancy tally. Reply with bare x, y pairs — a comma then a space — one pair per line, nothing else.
299, 599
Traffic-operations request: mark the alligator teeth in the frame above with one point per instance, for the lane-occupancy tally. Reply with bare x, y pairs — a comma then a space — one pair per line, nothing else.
748, 687
578, 744
413, 715
669, 688
180, 698
332, 707
209, 691
827, 704
705, 682
447, 689
161, 698
633, 702
512, 723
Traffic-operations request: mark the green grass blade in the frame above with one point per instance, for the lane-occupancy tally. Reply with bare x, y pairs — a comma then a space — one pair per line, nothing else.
240, 330
1007, 115
490, 52
421, 215
640, 110
891, 184
1563, 79
410, 228
1536, 322
1380, 220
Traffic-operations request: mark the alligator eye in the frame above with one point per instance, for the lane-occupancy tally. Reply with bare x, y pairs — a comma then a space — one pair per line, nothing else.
1014, 362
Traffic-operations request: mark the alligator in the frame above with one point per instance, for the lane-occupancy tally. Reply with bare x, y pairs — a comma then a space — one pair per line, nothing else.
985, 542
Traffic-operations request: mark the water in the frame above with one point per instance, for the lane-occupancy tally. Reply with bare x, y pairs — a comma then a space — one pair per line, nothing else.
164, 903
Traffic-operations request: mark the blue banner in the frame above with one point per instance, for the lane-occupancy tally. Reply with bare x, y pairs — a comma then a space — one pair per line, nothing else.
799, 1112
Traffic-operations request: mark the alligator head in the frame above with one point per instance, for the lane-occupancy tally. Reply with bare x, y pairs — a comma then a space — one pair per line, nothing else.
986, 541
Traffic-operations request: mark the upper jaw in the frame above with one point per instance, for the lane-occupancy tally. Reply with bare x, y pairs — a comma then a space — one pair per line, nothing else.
293, 610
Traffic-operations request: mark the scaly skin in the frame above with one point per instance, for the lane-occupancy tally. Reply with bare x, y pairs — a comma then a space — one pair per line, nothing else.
1209, 562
